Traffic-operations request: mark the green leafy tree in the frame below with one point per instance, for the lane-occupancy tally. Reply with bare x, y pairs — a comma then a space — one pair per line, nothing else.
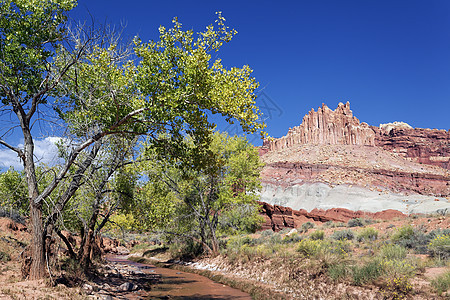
169, 86
204, 201
13, 191
107, 187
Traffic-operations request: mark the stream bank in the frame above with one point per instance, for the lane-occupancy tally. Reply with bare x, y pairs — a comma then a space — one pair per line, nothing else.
126, 279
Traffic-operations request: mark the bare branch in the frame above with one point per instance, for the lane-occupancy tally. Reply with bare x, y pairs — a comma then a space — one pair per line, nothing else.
15, 149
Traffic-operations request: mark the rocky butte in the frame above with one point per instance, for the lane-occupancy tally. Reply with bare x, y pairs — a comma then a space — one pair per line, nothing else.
333, 161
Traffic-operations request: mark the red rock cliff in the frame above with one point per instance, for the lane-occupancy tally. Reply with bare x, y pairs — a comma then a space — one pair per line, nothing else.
326, 126
340, 127
427, 146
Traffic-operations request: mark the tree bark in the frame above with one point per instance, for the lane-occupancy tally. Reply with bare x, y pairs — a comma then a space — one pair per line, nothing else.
89, 239
37, 270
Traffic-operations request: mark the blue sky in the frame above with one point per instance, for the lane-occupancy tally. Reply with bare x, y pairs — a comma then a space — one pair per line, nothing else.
390, 59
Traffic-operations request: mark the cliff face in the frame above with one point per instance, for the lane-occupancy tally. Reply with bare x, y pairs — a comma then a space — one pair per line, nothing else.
278, 217
332, 160
325, 126
426, 146
340, 127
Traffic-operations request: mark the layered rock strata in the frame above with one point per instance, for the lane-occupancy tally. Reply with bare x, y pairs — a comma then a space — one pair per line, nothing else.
325, 126
332, 160
425, 146
278, 217
340, 127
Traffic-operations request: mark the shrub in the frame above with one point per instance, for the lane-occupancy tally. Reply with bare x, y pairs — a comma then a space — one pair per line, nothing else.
441, 283
367, 272
4, 256
403, 233
285, 230
440, 246
391, 252
397, 287
185, 249
329, 224
412, 238
358, 222
340, 235
293, 238
276, 238
13, 214
340, 247
236, 242
367, 234
317, 235
396, 268
310, 248
306, 226
338, 271
437, 232
267, 233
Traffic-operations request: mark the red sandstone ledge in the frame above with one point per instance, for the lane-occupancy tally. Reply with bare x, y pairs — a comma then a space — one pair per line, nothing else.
278, 217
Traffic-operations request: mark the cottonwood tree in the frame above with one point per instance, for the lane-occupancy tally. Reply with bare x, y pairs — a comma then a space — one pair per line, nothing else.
197, 202
168, 86
13, 192
107, 187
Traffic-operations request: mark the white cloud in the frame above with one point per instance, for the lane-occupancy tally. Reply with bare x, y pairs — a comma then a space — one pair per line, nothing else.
45, 152
9, 158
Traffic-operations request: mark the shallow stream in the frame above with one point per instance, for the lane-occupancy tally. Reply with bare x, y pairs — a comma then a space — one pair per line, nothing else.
174, 284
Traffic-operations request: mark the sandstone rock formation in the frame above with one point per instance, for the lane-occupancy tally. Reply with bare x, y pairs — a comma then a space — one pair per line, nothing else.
426, 146
340, 127
278, 217
325, 126
361, 167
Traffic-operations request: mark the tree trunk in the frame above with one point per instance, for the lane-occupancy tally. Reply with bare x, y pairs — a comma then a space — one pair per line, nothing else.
214, 242
86, 251
37, 270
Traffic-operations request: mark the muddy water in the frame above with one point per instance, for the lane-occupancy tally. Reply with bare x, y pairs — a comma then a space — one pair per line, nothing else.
182, 285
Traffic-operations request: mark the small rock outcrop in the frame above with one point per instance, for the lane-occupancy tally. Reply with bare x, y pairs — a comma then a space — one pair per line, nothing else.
279, 217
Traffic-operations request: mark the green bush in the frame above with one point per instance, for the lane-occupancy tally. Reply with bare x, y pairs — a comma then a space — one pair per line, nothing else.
340, 247
276, 239
440, 246
310, 248
235, 243
345, 234
397, 268
306, 226
437, 232
397, 287
412, 238
358, 222
317, 235
185, 248
293, 238
4, 256
267, 233
403, 233
338, 271
367, 272
392, 251
441, 283
367, 234
285, 230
